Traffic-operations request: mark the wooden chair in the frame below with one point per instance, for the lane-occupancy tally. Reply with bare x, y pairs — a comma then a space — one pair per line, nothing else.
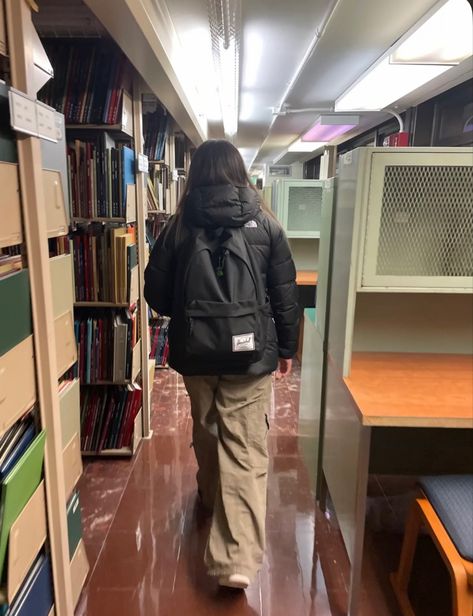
446, 511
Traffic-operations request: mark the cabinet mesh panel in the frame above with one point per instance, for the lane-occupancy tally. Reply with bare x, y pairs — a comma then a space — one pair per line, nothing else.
304, 208
426, 224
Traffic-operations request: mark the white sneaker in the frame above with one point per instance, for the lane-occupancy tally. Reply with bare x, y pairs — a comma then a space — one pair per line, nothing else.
235, 580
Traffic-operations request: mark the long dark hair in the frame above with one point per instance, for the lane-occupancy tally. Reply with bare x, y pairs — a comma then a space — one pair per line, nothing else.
216, 162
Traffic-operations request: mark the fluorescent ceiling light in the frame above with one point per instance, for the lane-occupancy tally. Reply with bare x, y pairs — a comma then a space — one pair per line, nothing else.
444, 38
228, 88
385, 84
225, 28
305, 146
195, 53
327, 128
253, 45
247, 106
397, 73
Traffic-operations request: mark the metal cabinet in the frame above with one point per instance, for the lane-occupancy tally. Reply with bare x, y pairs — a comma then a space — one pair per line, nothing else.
413, 218
298, 205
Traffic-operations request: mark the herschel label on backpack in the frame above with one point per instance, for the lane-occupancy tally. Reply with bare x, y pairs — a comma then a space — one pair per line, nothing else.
243, 342
221, 300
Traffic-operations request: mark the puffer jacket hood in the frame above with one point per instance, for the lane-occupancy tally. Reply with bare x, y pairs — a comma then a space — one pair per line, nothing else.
221, 206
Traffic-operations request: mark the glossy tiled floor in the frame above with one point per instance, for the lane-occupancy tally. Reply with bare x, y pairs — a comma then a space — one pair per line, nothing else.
145, 537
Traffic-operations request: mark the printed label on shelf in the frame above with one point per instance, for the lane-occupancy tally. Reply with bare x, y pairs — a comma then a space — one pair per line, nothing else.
29, 116
22, 112
143, 163
46, 119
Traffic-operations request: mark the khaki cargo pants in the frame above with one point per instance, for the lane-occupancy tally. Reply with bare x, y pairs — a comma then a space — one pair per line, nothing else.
229, 435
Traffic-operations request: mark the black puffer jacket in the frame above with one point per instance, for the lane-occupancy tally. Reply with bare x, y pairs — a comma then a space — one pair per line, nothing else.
229, 206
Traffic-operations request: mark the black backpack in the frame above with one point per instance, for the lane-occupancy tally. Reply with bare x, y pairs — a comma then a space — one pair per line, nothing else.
221, 309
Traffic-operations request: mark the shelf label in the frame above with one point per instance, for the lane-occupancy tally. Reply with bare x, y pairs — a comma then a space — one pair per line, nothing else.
143, 163
22, 113
46, 118
29, 116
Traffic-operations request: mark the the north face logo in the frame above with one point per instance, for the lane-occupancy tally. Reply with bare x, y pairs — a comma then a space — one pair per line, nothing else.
251, 224
243, 342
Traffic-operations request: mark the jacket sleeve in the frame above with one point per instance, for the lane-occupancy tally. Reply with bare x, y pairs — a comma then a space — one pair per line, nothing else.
159, 273
283, 293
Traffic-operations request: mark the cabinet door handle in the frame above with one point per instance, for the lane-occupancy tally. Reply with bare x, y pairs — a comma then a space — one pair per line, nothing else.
57, 194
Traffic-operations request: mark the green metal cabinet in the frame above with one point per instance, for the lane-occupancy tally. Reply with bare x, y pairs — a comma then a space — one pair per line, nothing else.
298, 206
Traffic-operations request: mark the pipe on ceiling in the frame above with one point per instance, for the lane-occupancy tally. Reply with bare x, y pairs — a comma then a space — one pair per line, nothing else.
319, 32
288, 111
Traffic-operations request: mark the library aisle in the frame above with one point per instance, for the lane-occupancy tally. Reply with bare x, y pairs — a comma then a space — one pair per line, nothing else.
145, 535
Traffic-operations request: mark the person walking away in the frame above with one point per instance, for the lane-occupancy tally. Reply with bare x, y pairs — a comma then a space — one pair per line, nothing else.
223, 271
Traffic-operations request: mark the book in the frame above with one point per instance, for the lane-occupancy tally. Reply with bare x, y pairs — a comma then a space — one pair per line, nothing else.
74, 523
125, 258
10, 439
127, 174
159, 331
26, 436
18, 487
155, 131
108, 415
89, 77
15, 310
103, 263
36, 596
120, 329
10, 264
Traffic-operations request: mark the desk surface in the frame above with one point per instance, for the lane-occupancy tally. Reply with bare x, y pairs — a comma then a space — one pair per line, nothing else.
412, 390
307, 278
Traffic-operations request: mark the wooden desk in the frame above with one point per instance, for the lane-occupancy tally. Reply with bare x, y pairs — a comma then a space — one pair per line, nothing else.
397, 413
309, 278
412, 390
304, 279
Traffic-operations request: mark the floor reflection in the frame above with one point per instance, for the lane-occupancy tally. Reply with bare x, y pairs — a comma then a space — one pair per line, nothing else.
145, 534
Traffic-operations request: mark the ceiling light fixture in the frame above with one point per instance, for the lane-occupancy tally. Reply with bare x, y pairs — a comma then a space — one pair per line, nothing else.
442, 39
327, 127
225, 32
305, 146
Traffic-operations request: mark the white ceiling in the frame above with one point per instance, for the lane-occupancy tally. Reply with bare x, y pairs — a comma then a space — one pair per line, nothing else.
303, 53
277, 35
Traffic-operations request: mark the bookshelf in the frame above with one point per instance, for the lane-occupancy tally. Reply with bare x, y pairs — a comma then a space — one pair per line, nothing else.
35, 232
105, 228
101, 305
40, 513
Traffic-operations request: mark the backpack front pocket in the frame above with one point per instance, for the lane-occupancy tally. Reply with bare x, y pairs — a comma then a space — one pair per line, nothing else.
233, 332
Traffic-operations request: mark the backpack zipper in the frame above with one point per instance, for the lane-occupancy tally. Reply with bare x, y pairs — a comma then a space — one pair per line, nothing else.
221, 263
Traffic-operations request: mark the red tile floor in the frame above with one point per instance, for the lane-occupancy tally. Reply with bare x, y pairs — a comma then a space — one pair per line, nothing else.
145, 539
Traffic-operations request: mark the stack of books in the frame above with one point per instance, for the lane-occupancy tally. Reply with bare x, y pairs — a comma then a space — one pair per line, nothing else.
106, 341
10, 264
99, 174
155, 128
155, 226
89, 77
59, 246
107, 417
159, 341
159, 174
105, 260
21, 469
181, 183
36, 596
152, 197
